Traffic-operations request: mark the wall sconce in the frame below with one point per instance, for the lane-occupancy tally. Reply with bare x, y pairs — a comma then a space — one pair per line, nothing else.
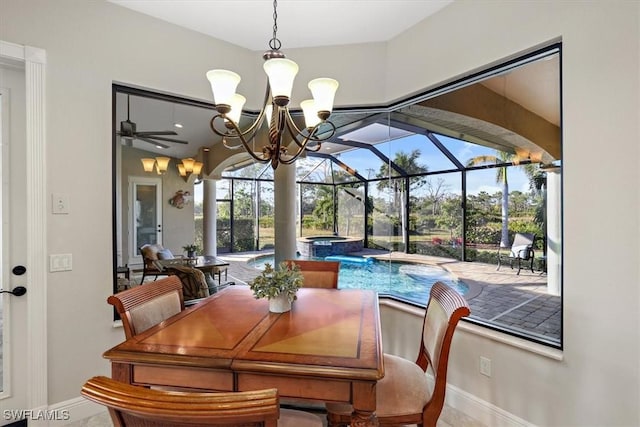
189, 167
536, 157
161, 164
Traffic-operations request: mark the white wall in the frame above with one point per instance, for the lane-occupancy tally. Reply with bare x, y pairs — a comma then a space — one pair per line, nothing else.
91, 44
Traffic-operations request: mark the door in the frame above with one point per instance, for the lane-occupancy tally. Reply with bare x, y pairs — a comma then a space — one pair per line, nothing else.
145, 214
13, 308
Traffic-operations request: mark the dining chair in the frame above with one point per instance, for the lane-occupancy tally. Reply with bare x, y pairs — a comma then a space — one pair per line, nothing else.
144, 306
403, 395
318, 274
135, 406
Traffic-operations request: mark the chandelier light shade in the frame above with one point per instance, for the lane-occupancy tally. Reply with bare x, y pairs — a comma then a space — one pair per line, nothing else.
188, 164
275, 112
189, 167
160, 163
163, 164
223, 85
281, 73
148, 164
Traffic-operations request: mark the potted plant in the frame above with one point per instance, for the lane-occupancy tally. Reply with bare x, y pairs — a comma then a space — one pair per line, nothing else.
191, 250
279, 286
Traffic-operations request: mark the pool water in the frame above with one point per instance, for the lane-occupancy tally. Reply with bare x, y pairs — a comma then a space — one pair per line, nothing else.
406, 281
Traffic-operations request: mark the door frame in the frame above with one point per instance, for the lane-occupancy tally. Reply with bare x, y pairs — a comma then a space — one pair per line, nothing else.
34, 60
134, 255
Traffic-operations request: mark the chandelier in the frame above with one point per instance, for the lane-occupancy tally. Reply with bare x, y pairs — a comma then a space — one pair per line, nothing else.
281, 73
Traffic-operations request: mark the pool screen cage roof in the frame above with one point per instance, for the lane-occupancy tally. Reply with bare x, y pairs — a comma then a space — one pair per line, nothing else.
509, 113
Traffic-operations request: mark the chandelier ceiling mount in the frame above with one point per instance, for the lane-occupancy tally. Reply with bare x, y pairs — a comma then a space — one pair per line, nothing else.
275, 109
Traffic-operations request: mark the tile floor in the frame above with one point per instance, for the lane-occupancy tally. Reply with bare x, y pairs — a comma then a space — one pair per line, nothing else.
449, 418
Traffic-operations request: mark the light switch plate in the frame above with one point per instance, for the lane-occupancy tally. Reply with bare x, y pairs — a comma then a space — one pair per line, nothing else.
60, 262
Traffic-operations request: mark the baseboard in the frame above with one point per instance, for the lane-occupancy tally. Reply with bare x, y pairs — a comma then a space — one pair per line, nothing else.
78, 409
481, 410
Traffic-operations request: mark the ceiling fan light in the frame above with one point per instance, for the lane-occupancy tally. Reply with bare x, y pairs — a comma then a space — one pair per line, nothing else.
237, 102
281, 73
310, 111
148, 164
223, 85
163, 163
181, 170
188, 164
323, 91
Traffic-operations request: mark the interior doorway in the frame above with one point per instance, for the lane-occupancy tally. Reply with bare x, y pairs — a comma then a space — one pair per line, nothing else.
145, 214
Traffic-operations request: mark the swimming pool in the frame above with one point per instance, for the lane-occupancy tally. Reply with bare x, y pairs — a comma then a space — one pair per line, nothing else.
406, 281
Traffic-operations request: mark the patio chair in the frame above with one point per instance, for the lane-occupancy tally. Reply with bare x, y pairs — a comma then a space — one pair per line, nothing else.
521, 251
133, 406
150, 255
318, 274
404, 395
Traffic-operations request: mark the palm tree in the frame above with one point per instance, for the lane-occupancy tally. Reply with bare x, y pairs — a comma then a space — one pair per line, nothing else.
408, 162
501, 177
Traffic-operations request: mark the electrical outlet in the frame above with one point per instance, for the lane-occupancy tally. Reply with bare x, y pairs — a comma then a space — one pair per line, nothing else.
485, 366
60, 204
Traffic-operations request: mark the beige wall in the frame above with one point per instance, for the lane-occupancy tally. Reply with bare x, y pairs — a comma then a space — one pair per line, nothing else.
91, 44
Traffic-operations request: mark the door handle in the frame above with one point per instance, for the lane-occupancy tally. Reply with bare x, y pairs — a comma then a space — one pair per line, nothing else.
17, 291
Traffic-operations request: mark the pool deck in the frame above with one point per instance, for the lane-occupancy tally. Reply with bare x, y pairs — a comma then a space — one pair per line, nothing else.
517, 302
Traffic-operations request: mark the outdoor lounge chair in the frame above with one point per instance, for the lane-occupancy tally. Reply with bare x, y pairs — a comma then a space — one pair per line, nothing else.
521, 251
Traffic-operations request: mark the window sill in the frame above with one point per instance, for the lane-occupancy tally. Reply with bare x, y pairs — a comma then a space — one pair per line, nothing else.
497, 336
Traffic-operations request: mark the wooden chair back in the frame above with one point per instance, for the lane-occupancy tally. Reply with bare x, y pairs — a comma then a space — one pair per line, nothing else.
445, 308
412, 402
318, 274
133, 406
144, 306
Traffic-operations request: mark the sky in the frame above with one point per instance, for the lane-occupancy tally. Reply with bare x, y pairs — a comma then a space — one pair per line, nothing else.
368, 164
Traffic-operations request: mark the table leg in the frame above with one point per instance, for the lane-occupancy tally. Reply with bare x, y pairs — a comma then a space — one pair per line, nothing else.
122, 372
364, 405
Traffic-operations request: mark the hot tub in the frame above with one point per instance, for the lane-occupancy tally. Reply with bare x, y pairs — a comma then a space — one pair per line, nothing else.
322, 246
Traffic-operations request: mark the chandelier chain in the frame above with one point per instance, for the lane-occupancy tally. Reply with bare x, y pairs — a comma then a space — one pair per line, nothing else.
274, 43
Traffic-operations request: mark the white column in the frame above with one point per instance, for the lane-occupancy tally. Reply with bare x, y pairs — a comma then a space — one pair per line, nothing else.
554, 232
209, 217
285, 212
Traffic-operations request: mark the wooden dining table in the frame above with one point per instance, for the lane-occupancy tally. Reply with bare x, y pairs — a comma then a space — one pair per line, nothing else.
327, 348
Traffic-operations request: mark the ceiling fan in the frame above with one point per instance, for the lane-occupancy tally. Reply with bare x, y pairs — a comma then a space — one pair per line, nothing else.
128, 132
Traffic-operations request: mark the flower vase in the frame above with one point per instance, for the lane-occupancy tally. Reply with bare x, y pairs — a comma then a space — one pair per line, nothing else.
279, 304
191, 254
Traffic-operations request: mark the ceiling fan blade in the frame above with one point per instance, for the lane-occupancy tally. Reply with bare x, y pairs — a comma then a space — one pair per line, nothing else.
160, 132
165, 139
151, 141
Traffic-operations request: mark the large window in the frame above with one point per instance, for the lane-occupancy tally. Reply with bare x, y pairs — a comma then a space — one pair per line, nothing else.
449, 177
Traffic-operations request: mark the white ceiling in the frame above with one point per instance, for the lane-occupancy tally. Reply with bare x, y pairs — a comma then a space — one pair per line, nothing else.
301, 23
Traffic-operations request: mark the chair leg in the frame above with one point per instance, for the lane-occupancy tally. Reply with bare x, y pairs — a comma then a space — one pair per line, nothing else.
333, 420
